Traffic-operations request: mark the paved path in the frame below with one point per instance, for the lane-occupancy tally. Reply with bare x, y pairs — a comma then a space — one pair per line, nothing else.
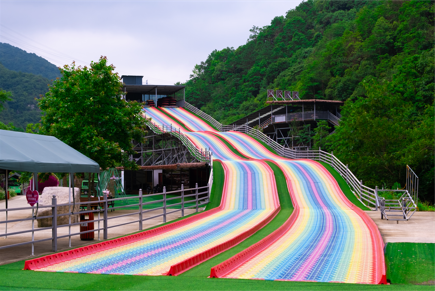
420, 228
23, 252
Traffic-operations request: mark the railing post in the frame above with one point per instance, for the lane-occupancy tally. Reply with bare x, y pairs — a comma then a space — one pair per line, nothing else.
54, 224
360, 189
105, 218
164, 204
319, 153
182, 200
377, 198
140, 209
196, 196
209, 192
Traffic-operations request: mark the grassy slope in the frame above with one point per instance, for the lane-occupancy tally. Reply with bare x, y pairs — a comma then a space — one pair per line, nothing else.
410, 263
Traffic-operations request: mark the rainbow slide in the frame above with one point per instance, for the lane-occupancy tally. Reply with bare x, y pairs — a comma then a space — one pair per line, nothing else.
326, 239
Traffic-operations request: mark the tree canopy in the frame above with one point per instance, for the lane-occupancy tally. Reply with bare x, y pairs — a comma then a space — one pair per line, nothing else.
23, 108
16, 59
86, 110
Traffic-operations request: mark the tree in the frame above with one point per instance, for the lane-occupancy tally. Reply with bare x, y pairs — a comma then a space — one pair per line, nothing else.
85, 109
380, 134
320, 134
4, 96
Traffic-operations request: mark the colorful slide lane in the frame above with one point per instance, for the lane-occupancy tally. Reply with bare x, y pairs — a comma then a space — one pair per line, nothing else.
326, 239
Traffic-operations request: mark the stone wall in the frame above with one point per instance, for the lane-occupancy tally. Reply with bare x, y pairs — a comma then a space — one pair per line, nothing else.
62, 194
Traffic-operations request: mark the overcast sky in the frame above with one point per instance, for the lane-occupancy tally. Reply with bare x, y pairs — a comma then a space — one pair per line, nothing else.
161, 40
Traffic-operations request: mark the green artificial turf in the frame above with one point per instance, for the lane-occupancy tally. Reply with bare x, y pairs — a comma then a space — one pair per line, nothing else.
14, 278
410, 263
217, 187
344, 187
203, 270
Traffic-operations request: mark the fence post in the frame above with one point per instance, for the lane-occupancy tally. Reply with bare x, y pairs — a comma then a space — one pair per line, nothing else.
332, 160
196, 196
105, 218
140, 209
360, 189
209, 192
54, 224
164, 204
182, 200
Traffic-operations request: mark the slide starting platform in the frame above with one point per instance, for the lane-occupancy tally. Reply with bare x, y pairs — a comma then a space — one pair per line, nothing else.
326, 239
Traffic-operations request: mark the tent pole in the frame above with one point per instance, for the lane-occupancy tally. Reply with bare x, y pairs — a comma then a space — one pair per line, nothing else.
7, 202
35, 187
69, 202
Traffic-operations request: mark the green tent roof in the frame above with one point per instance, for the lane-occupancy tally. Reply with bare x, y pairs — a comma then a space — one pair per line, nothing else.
36, 153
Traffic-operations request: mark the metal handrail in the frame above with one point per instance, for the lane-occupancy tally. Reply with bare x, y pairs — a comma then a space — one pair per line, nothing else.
201, 197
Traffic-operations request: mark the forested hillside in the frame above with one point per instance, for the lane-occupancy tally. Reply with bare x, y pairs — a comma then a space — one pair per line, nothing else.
378, 56
16, 59
25, 87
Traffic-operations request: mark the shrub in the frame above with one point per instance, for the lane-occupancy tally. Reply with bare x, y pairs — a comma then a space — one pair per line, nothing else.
425, 206
12, 193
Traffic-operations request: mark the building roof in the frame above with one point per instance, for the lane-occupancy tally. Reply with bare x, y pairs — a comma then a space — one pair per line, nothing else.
150, 89
36, 153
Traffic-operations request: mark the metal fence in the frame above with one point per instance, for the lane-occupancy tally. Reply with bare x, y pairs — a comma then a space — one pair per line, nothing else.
173, 201
202, 155
204, 115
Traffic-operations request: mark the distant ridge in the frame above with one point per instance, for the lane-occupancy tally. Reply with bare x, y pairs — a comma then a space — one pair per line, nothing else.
16, 59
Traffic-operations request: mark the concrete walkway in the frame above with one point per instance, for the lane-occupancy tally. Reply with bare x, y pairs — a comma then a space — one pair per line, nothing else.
24, 252
419, 229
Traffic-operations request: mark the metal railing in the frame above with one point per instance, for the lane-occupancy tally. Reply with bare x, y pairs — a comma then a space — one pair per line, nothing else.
397, 209
366, 195
202, 155
204, 115
183, 198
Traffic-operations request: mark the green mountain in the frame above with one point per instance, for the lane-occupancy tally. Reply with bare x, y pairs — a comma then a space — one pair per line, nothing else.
323, 49
16, 59
25, 87
378, 56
